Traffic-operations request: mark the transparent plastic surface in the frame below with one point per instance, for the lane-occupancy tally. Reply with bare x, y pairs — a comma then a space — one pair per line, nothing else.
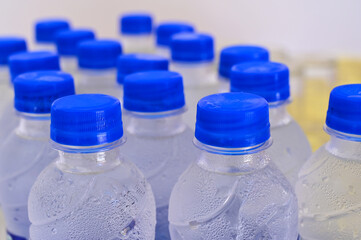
95, 195
233, 197
290, 148
99, 81
199, 80
329, 192
5, 87
140, 43
162, 149
224, 84
23, 155
163, 51
44, 47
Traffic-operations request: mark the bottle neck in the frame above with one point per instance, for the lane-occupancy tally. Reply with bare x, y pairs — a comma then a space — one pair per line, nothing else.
89, 160
196, 74
278, 114
155, 124
344, 145
233, 161
34, 126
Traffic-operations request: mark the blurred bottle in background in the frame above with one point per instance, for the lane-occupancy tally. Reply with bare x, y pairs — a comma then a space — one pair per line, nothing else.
45, 32
309, 109
91, 191
20, 63
138, 62
26, 151
290, 148
233, 190
158, 140
137, 32
67, 42
164, 33
193, 58
97, 61
233, 55
329, 185
8, 46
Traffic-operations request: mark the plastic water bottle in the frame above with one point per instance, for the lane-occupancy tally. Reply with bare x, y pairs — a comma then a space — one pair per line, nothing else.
290, 148
26, 151
45, 32
137, 32
8, 46
193, 58
90, 192
20, 63
164, 33
233, 55
97, 67
158, 140
138, 62
328, 188
67, 46
233, 190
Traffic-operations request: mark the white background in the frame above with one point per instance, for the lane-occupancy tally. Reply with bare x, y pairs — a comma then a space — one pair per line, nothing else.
299, 26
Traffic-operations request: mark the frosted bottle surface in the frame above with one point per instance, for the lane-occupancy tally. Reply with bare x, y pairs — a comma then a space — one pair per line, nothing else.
328, 188
193, 57
233, 191
113, 204
26, 151
158, 141
97, 67
290, 148
91, 191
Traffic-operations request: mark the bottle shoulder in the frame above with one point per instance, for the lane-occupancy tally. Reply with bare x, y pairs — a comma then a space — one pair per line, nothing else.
70, 191
200, 195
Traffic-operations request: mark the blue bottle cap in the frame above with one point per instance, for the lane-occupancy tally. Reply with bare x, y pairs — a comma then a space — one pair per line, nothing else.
239, 54
9, 46
232, 120
136, 23
192, 47
32, 61
154, 91
45, 30
167, 29
344, 109
36, 91
133, 63
86, 120
67, 41
267, 79
98, 54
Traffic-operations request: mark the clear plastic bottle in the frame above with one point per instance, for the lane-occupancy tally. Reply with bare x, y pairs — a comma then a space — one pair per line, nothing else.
158, 141
233, 190
8, 46
137, 32
290, 148
67, 46
26, 151
97, 67
193, 58
138, 62
45, 32
233, 55
20, 63
164, 33
328, 188
91, 191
